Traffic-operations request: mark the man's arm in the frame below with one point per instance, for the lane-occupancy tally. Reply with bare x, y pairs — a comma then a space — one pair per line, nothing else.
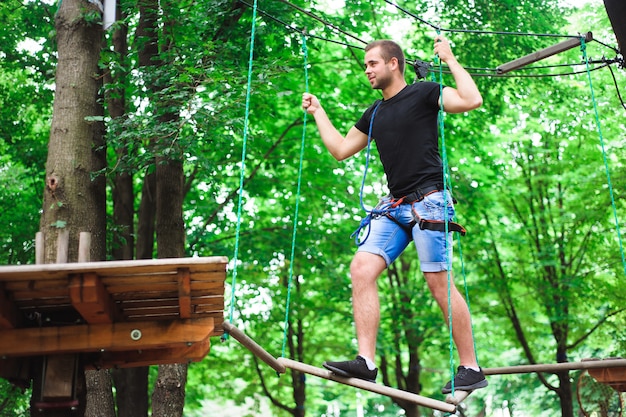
339, 146
465, 96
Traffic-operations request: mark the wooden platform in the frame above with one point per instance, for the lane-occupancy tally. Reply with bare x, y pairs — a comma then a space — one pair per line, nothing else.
119, 313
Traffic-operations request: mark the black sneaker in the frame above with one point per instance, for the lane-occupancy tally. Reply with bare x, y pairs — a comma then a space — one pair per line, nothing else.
356, 368
466, 380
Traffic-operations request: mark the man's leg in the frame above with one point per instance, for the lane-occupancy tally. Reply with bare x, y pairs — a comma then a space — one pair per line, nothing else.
469, 376
461, 323
364, 270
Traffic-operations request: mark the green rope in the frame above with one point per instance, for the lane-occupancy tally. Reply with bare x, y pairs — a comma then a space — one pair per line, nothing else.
583, 47
444, 157
243, 166
447, 182
295, 218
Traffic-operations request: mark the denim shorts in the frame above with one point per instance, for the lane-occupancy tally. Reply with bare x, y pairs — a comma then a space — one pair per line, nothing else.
388, 239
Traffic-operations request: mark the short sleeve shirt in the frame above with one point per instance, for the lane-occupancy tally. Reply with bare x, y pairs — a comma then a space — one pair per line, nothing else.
406, 133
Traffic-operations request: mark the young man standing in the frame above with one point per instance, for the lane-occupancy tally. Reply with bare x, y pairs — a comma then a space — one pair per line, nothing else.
404, 126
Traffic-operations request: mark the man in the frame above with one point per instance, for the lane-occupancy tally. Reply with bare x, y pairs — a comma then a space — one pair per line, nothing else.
404, 126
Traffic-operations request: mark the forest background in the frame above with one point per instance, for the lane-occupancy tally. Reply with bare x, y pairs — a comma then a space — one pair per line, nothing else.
537, 172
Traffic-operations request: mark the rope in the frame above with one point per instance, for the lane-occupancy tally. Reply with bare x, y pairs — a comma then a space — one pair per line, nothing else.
243, 167
295, 218
376, 211
583, 47
446, 181
484, 72
444, 157
478, 32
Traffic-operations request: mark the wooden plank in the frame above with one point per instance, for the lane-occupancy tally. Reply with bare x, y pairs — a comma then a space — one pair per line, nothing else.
165, 317
369, 386
542, 54
253, 347
42, 294
33, 285
184, 293
172, 306
141, 266
58, 303
9, 313
209, 309
91, 299
172, 311
138, 280
209, 276
58, 378
184, 354
146, 285
555, 367
151, 302
144, 288
49, 288
104, 337
159, 277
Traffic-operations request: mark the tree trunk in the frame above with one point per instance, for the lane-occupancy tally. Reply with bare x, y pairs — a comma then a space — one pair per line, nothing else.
168, 397
565, 394
122, 188
74, 199
131, 387
99, 394
146, 218
74, 196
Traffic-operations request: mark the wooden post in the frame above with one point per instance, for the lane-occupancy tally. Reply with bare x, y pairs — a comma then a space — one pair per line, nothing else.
84, 247
63, 246
39, 252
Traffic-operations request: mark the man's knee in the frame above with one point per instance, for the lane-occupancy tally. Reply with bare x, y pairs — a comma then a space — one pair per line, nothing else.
366, 266
438, 283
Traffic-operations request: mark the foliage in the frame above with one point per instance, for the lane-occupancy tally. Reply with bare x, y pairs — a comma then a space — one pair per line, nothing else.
526, 168
13, 400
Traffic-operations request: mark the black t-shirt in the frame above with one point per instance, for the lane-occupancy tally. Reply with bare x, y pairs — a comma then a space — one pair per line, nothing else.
406, 133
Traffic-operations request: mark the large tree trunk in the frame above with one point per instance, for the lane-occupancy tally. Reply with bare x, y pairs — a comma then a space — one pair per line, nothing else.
168, 399
74, 197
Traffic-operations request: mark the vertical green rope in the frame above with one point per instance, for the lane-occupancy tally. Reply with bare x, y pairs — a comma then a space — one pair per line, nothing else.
295, 218
243, 165
444, 157
447, 183
583, 47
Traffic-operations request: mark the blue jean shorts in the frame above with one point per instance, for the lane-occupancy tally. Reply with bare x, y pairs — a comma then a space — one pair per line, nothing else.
388, 238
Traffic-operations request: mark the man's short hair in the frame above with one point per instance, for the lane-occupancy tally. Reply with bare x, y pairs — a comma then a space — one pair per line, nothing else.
389, 49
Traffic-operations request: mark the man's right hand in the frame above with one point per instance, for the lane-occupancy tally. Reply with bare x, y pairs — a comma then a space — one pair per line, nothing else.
310, 103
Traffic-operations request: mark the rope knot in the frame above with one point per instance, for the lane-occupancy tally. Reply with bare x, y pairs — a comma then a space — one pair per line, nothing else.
366, 223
